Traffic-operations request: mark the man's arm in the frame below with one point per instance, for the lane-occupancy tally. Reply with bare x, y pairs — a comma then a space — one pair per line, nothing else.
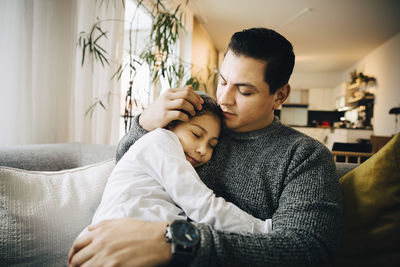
307, 223
166, 108
307, 227
122, 242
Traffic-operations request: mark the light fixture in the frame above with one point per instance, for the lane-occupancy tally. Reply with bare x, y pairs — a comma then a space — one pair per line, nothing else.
298, 15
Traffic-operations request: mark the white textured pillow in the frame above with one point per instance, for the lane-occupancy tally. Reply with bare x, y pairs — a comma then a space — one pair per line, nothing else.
41, 213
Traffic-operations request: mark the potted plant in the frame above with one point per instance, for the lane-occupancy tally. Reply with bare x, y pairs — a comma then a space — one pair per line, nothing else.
167, 25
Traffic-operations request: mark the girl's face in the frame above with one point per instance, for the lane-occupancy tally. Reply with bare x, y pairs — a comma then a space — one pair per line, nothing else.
198, 137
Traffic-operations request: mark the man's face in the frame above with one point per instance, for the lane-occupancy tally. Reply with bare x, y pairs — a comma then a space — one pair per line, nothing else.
244, 95
198, 137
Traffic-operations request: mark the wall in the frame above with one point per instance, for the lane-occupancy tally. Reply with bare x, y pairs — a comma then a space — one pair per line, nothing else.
320, 99
185, 40
320, 86
384, 64
204, 55
304, 80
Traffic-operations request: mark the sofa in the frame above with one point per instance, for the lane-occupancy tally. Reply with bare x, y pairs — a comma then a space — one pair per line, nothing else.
49, 192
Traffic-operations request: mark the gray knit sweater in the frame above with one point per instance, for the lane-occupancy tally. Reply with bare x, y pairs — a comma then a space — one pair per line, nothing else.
279, 173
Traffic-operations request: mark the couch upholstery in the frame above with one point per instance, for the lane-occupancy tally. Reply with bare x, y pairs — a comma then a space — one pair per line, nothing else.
54, 157
35, 223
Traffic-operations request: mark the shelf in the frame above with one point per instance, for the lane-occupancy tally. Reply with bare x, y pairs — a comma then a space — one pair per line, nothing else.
354, 86
356, 95
353, 100
295, 105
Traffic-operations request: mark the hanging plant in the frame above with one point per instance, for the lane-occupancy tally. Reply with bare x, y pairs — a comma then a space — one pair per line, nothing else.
89, 44
158, 54
163, 36
361, 77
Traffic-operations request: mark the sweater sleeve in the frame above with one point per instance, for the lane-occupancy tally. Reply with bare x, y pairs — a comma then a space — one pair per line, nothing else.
163, 158
130, 138
307, 223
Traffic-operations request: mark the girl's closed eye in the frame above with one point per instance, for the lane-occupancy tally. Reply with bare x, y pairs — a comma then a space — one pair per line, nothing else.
196, 135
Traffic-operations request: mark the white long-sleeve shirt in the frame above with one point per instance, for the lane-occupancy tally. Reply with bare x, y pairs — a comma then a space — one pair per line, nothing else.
153, 181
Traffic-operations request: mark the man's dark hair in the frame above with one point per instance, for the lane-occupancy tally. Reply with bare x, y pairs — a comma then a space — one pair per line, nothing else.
270, 46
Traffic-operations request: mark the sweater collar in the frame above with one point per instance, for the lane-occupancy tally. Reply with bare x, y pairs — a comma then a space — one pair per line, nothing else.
271, 129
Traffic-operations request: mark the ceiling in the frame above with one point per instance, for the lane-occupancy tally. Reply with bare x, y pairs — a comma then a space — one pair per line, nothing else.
327, 35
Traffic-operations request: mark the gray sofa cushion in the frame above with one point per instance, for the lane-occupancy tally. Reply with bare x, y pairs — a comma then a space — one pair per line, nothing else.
54, 157
41, 213
343, 168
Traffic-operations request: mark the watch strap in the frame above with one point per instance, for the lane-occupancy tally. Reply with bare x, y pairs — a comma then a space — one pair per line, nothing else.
181, 255
180, 260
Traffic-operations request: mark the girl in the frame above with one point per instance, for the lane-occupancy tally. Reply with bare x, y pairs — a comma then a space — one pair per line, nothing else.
156, 180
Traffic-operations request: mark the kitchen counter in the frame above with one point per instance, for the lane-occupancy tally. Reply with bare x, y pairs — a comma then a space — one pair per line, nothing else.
333, 128
329, 135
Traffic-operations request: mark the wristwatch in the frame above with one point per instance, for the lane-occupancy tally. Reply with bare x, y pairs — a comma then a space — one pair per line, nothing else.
184, 238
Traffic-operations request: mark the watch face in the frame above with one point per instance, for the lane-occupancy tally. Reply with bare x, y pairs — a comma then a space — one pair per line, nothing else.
184, 233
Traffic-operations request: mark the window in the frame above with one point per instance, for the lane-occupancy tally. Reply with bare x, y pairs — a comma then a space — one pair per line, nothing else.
138, 23
136, 38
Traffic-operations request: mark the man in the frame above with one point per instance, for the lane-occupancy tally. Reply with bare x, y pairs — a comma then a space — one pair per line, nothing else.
267, 169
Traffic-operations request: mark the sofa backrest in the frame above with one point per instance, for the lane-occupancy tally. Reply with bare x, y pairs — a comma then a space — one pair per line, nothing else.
54, 157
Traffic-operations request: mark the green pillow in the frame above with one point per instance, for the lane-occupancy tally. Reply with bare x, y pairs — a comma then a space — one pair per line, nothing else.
371, 195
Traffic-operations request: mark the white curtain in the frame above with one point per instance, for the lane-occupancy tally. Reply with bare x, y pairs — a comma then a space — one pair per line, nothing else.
44, 91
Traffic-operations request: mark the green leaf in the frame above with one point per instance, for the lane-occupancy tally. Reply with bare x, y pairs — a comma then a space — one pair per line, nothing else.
177, 9
83, 53
118, 73
102, 105
101, 48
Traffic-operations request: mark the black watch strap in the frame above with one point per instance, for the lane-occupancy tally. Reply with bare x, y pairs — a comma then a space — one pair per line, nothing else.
181, 260
184, 238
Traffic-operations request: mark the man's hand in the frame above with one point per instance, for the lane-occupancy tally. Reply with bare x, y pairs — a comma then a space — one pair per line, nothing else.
122, 242
168, 107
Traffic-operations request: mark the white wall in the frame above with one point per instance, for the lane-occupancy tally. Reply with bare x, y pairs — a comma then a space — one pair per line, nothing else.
384, 64
320, 86
307, 80
321, 99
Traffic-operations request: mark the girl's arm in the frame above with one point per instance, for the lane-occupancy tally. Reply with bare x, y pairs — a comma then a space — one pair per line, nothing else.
162, 156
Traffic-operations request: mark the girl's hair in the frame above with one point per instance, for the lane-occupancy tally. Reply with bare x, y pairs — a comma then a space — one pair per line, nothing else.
210, 106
